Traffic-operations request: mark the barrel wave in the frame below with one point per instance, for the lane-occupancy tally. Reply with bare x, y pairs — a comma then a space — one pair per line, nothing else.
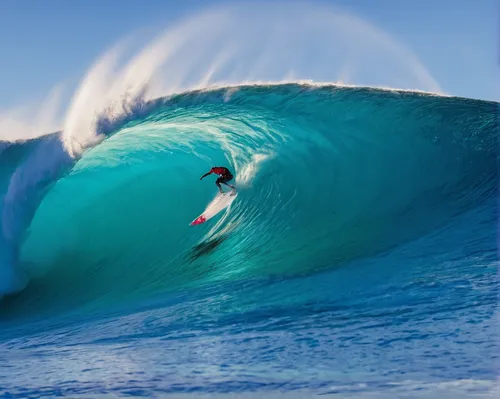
327, 175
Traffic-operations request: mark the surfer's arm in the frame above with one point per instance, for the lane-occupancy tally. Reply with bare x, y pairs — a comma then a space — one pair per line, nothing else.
205, 175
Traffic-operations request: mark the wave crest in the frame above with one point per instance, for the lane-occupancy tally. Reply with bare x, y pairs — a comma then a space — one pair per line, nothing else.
227, 46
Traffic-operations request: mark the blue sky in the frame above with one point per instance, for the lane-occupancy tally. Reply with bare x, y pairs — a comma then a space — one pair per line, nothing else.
44, 43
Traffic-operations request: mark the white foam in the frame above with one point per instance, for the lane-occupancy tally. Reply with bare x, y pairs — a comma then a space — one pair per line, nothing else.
250, 169
249, 42
32, 120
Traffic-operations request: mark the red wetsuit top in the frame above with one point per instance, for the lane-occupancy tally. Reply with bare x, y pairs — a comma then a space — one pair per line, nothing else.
219, 170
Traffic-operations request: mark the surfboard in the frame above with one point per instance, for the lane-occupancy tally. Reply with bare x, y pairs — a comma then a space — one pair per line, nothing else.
218, 204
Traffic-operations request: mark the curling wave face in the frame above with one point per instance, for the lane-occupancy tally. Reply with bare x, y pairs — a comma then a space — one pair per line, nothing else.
326, 175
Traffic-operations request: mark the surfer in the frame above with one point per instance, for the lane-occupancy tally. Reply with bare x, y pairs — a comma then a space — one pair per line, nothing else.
224, 176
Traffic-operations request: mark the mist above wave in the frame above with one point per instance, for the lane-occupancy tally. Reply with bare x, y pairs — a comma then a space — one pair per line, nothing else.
222, 45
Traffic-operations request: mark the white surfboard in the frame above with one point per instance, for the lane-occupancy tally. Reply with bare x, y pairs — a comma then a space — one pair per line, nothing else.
219, 203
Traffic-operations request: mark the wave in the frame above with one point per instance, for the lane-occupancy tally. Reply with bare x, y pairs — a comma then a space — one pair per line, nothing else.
326, 174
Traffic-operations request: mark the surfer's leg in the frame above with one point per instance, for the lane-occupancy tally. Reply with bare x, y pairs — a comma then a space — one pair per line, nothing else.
218, 182
233, 192
226, 179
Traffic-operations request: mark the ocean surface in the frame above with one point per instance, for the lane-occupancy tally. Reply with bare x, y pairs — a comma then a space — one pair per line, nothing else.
358, 260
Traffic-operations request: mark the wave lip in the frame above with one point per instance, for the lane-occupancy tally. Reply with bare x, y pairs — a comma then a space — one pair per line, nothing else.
327, 175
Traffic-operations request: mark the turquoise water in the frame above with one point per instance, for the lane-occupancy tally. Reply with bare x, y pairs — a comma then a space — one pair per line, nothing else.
360, 256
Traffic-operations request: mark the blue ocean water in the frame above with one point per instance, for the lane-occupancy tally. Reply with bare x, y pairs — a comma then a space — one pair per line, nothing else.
358, 260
